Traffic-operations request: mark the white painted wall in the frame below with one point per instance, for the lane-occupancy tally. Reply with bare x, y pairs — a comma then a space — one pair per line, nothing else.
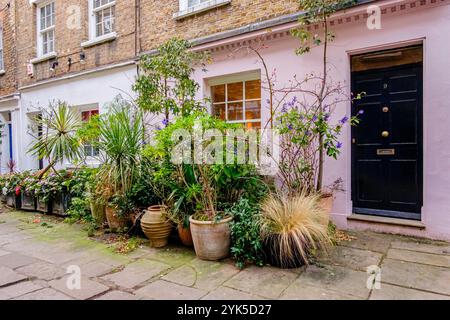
96, 89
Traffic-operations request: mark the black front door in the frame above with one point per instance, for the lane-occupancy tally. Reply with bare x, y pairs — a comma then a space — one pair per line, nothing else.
387, 144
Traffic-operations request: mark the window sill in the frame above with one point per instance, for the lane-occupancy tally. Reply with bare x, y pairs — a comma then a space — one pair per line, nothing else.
200, 8
45, 57
108, 37
2, 72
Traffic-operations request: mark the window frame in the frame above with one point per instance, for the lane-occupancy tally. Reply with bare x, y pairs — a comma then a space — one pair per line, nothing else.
41, 32
185, 10
226, 80
93, 37
90, 109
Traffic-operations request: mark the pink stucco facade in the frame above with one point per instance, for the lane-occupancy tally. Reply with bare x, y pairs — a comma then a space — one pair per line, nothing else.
403, 23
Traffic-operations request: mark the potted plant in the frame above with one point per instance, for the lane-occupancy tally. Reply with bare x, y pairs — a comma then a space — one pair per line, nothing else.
28, 197
120, 142
292, 229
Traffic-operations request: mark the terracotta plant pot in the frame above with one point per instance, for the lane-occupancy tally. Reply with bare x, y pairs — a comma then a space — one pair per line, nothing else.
155, 227
115, 222
326, 203
185, 235
211, 239
98, 212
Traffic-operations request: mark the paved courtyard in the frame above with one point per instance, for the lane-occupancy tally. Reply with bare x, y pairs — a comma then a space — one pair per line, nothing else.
37, 252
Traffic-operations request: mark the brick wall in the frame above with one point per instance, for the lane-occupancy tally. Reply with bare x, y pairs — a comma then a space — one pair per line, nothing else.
8, 83
156, 25
68, 40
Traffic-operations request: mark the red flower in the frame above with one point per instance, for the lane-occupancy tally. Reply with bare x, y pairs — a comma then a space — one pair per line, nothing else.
17, 191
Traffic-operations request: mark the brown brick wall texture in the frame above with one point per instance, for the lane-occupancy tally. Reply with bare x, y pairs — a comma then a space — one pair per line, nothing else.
68, 41
8, 83
156, 25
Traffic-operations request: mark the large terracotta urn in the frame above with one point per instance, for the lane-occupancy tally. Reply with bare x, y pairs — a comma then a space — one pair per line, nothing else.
211, 239
156, 227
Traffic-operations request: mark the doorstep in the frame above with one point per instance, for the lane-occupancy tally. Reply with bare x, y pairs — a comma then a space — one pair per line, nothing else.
386, 220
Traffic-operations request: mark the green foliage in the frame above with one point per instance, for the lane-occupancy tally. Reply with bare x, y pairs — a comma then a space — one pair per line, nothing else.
89, 131
198, 187
246, 244
79, 210
120, 140
58, 141
317, 12
165, 84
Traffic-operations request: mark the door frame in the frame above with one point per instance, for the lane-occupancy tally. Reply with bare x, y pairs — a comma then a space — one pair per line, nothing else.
420, 159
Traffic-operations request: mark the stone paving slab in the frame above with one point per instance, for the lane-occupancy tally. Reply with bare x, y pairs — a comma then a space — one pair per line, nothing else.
338, 279
267, 282
352, 258
163, 290
117, 295
420, 257
416, 276
411, 268
44, 294
9, 276
18, 290
15, 260
95, 268
443, 249
390, 292
369, 241
88, 288
42, 270
301, 291
225, 293
136, 273
200, 274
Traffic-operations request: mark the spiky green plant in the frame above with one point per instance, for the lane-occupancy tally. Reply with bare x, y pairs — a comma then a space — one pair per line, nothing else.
120, 142
58, 141
293, 227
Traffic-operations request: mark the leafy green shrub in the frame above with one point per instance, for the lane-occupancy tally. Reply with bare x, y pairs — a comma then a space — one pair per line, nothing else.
246, 244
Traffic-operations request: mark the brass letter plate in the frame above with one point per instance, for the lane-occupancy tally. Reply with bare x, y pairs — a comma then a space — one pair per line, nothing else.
385, 152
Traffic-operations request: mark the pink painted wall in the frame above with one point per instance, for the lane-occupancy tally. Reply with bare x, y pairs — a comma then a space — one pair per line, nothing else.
432, 25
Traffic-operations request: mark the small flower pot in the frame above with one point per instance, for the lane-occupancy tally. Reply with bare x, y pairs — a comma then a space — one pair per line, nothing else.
211, 239
60, 204
28, 201
185, 235
116, 223
155, 227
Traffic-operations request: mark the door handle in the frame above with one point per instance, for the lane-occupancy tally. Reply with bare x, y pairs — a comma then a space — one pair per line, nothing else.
385, 134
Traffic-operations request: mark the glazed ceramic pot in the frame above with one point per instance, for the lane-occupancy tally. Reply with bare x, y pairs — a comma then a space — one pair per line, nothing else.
211, 239
156, 227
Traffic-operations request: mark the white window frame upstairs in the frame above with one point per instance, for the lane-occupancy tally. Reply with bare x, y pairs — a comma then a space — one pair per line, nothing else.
2, 61
186, 10
41, 32
93, 37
